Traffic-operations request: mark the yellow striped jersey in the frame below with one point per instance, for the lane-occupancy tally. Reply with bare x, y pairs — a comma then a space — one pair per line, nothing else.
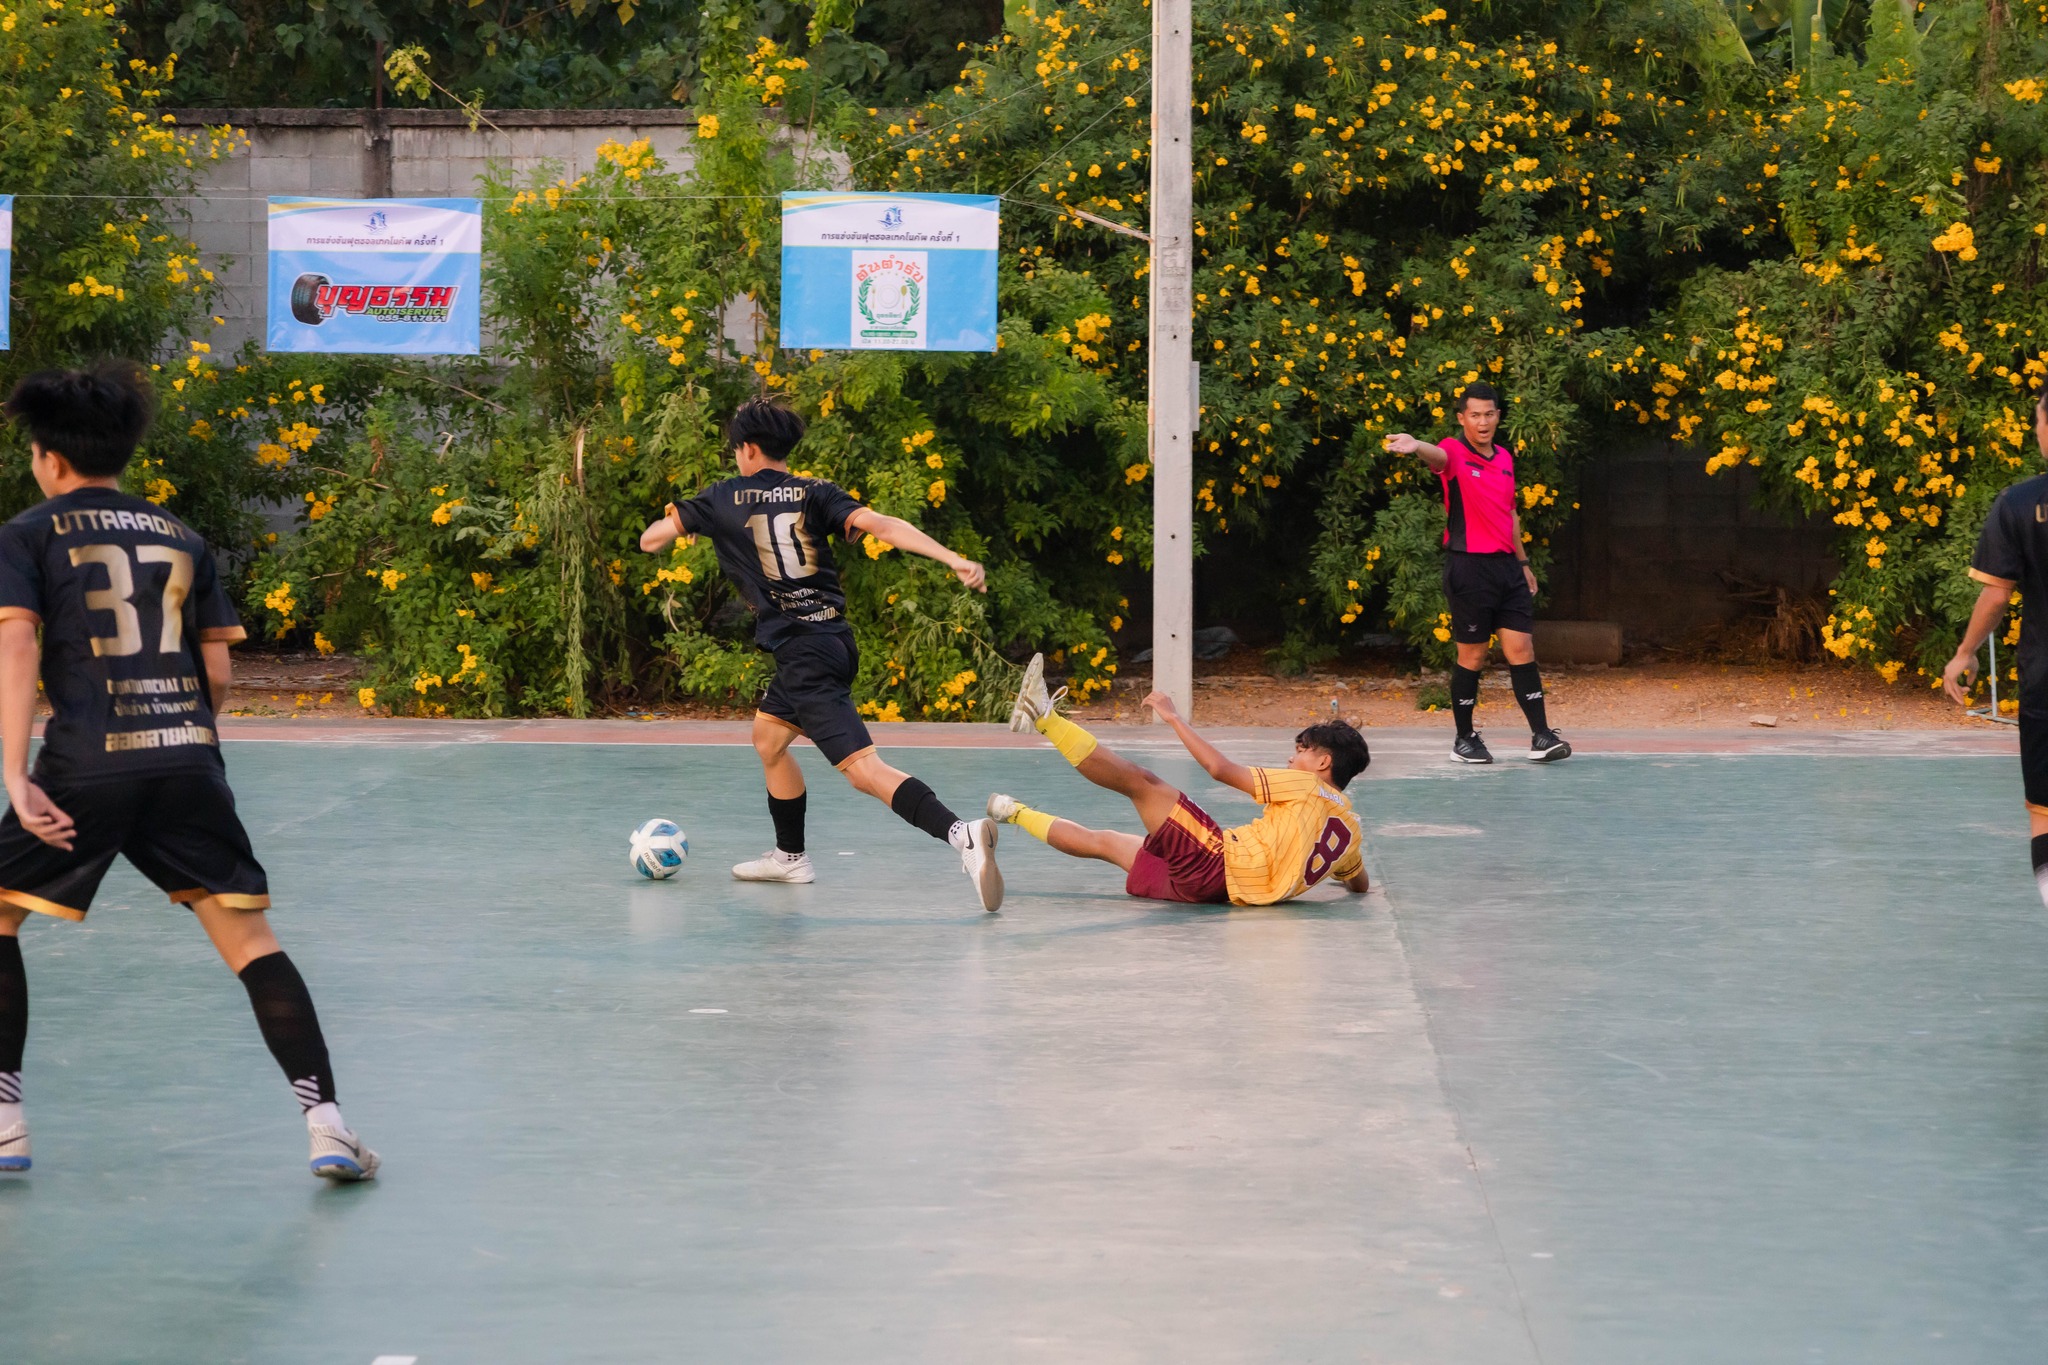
1307, 832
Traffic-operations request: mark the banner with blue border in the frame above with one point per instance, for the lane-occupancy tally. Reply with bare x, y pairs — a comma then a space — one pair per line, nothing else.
376, 276
896, 272
6, 272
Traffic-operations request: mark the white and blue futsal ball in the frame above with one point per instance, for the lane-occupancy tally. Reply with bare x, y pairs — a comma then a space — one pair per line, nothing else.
658, 849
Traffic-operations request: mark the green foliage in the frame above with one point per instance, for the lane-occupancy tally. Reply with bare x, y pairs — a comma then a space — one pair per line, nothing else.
495, 568
594, 54
1642, 220
582, 53
1389, 204
101, 267
1881, 368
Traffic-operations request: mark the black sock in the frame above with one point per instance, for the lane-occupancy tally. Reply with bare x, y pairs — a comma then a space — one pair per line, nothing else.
14, 1018
915, 802
2040, 882
1528, 684
284, 1011
788, 815
1464, 696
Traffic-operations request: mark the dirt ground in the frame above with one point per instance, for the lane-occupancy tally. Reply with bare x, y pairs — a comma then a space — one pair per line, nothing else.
1634, 696
1646, 695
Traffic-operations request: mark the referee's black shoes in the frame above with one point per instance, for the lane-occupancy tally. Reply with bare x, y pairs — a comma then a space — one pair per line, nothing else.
1470, 749
1548, 748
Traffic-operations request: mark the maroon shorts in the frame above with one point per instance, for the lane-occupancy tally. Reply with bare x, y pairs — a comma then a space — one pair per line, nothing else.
1182, 860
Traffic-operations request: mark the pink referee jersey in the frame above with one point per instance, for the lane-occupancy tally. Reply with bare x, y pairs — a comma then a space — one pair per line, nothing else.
1479, 499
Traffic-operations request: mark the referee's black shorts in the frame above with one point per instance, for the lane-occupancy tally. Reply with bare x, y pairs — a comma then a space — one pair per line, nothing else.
812, 693
1487, 594
180, 830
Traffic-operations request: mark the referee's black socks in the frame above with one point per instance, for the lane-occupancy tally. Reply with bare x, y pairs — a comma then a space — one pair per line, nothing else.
1528, 685
1464, 696
284, 1011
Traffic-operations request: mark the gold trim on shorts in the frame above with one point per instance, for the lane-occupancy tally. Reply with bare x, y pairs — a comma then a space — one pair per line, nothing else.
763, 715
39, 905
1210, 840
2037, 810
230, 900
856, 754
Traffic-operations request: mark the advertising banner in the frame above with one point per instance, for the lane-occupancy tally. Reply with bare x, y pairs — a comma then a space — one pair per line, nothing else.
376, 276
897, 272
6, 271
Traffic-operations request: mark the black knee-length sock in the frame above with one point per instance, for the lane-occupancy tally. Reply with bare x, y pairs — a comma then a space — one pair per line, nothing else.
13, 1018
284, 1011
1528, 684
917, 803
788, 814
1464, 696
2040, 883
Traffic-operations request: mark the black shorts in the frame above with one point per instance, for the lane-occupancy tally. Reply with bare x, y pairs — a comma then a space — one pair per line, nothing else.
2034, 757
813, 694
1487, 593
179, 831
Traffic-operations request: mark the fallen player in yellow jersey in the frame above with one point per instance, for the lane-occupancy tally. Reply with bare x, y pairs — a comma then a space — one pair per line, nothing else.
1307, 832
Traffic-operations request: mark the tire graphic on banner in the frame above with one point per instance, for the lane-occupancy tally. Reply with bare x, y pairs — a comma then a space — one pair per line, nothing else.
305, 293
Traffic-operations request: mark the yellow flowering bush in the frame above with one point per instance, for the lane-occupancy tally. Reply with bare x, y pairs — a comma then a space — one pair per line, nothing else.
1878, 365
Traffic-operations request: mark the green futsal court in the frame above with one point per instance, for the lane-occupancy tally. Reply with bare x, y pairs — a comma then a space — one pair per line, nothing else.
1709, 1057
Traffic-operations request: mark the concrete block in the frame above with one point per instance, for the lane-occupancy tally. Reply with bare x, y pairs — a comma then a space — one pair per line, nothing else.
1578, 642
281, 175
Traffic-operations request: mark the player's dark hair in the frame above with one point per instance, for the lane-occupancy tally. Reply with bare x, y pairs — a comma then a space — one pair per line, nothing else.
1472, 391
2041, 394
768, 425
1346, 747
94, 417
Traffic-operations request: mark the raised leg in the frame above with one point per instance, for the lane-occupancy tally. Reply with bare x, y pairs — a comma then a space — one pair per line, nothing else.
1109, 845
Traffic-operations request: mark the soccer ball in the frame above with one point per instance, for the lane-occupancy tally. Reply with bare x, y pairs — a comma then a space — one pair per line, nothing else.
658, 849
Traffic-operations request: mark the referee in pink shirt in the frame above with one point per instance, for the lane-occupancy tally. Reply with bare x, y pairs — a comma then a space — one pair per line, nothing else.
1487, 579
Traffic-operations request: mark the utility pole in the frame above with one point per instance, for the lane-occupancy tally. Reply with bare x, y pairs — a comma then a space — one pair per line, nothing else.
1171, 383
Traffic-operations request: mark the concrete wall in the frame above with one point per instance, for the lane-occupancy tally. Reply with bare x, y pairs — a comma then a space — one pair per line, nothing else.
361, 153
1658, 539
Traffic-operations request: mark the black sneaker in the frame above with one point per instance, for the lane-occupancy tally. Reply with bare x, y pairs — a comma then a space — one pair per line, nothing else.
1470, 749
1548, 747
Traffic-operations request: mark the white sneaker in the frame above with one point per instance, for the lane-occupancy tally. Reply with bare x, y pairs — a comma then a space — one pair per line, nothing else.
1004, 808
978, 860
340, 1155
1033, 701
14, 1147
777, 866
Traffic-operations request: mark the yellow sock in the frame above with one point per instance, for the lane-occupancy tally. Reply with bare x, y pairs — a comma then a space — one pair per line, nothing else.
1074, 743
1036, 823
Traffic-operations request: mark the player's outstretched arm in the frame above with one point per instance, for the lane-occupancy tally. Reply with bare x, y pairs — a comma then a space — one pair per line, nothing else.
659, 535
1359, 882
1225, 770
1984, 618
20, 660
900, 533
1401, 443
